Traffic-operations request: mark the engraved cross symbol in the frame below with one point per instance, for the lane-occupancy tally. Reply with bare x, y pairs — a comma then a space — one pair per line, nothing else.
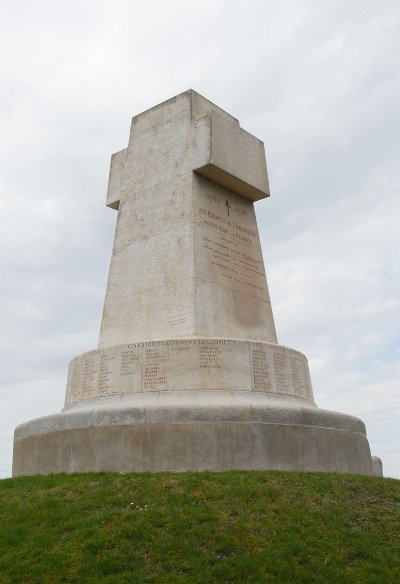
228, 206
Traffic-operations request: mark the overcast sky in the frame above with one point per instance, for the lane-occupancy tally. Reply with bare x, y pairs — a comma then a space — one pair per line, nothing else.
318, 81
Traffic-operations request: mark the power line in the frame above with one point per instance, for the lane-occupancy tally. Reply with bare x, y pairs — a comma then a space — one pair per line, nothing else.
377, 411
381, 419
374, 401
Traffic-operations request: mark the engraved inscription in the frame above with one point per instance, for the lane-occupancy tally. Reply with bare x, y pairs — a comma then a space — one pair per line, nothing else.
297, 384
176, 318
184, 364
90, 372
153, 377
130, 361
210, 357
105, 370
231, 247
235, 265
233, 208
74, 387
228, 227
281, 366
261, 378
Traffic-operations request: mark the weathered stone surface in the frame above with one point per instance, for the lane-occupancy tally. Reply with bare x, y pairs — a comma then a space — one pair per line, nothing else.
188, 374
187, 259
192, 431
189, 364
377, 469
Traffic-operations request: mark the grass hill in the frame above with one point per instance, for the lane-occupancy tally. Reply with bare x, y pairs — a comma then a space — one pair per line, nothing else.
200, 528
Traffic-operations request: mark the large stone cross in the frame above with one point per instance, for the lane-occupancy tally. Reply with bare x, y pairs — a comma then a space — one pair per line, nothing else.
214, 146
187, 259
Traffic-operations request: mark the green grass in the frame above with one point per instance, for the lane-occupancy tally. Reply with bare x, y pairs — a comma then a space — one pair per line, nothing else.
200, 528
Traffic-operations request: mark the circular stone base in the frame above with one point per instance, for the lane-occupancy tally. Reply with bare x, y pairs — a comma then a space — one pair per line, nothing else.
192, 431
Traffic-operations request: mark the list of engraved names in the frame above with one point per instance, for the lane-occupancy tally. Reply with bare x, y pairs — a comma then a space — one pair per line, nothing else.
182, 364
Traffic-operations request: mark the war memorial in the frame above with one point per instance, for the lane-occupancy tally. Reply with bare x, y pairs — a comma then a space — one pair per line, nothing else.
188, 373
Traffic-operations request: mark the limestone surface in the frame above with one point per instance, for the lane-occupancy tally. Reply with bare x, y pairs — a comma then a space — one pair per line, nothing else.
189, 364
187, 259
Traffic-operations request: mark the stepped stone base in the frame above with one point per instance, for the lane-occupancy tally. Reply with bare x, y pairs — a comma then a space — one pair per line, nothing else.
194, 430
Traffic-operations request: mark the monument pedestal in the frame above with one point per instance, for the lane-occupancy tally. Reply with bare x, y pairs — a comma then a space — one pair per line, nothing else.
192, 430
188, 373
191, 404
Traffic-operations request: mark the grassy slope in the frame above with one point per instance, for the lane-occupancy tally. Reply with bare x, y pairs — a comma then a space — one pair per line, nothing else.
200, 527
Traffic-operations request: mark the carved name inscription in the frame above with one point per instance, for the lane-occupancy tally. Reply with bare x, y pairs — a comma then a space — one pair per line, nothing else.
90, 374
282, 370
186, 364
153, 371
130, 362
230, 243
75, 380
210, 357
261, 369
105, 384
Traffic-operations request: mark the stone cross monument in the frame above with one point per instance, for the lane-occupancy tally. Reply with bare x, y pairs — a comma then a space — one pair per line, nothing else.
188, 373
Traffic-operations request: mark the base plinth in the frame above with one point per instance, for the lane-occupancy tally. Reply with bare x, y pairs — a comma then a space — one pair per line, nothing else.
194, 431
